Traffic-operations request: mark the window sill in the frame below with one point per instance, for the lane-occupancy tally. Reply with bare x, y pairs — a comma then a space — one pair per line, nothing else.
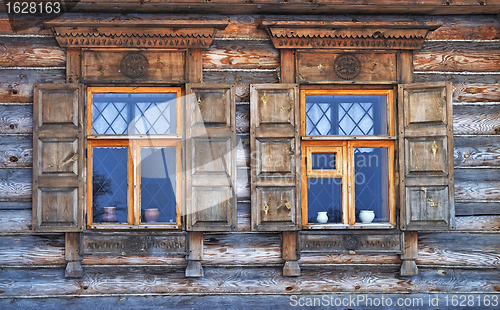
135, 227
355, 226
345, 138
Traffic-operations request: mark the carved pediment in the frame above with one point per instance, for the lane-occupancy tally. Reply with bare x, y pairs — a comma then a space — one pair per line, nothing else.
333, 35
192, 34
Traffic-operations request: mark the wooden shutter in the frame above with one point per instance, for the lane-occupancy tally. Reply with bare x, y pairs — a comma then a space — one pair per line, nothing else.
426, 156
275, 159
210, 157
58, 158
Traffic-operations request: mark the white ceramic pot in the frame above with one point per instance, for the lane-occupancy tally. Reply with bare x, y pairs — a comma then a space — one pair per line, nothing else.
151, 215
366, 216
322, 217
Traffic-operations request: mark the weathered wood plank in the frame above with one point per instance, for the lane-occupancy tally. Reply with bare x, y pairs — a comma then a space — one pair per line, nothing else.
477, 184
476, 93
484, 207
42, 250
242, 80
478, 151
241, 54
478, 223
267, 280
457, 78
15, 184
458, 56
15, 205
424, 301
15, 221
31, 52
17, 85
16, 151
16, 119
476, 120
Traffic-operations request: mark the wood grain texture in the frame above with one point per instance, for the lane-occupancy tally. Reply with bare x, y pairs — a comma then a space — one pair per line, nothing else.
241, 54
477, 151
31, 52
477, 184
16, 151
15, 184
242, 80
44, 250
267, 280
458, 56
476, 120
17, 85
476, 207
457, 78
16, 119
476, 92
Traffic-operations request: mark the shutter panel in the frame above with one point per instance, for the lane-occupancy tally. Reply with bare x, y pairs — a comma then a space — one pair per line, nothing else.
426, 156
58, 158
275, 159
210, 157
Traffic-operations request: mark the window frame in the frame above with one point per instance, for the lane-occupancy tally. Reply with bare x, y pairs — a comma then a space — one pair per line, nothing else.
134, 143
347, 143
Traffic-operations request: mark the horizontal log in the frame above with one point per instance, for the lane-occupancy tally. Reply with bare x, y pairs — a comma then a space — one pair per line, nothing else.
476, 93
484, 207
16, 119
264, 280
15, 184
477, 184
475, 151
476, 120
478, 223
26, 250
17, 85
31, 52
16, 151
457, 78
15, 221
15, 205
458, 56
241, 54
242, 80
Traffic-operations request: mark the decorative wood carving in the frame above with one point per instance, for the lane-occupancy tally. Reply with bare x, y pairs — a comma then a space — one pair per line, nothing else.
341, 242
134, 65
334, 35
189, 34
347, 66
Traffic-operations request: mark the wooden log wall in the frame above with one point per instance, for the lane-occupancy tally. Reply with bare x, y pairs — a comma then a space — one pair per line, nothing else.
465, 50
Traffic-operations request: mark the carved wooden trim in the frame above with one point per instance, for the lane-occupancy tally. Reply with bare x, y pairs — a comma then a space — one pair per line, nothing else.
175, 35
137, 243
351, 242
333, 35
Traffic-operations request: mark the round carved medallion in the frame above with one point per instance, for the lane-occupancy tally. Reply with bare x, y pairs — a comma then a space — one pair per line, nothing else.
351, 243
134, 65
347, 66
135, 244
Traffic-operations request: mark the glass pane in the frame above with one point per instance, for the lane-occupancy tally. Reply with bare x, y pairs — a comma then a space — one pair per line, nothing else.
134, 114
346, 115
372, 182
324, 195
323, 161
109, 184
158, 185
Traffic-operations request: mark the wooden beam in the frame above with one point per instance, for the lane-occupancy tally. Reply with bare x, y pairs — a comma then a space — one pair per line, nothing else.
290, 252
195, 254
72, 255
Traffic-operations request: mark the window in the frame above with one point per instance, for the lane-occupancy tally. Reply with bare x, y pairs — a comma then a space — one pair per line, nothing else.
348, 158
134, 157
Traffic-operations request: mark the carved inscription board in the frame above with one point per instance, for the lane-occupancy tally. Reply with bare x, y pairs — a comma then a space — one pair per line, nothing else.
132, 65
351, 242
133, 244
346, 67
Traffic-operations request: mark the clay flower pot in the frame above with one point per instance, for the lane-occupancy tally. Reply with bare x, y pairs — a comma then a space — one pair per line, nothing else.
151, 215
366, 216
109, 214
322, 217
